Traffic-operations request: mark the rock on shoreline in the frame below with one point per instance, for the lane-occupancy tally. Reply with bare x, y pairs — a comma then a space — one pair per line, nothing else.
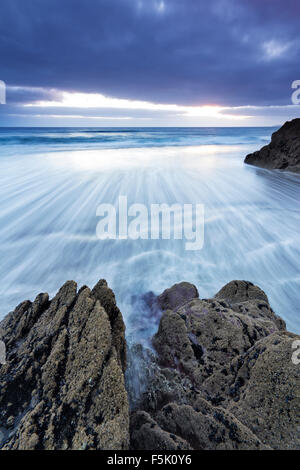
221, 374
63, 384
283, 153
223, 377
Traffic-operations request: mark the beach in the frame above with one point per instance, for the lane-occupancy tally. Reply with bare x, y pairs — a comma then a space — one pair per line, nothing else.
52, 181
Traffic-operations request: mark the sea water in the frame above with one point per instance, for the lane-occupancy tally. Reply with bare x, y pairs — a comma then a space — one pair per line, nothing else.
53, 179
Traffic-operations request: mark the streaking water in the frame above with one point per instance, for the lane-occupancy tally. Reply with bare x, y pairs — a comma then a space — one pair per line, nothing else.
52, 180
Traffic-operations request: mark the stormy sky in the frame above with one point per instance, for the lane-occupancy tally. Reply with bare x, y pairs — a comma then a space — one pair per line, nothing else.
149, 62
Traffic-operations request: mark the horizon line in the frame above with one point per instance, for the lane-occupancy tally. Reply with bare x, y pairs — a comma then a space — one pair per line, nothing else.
134, 127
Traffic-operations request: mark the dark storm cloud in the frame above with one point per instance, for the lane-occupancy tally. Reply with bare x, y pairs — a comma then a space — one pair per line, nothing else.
228, 52
21, 95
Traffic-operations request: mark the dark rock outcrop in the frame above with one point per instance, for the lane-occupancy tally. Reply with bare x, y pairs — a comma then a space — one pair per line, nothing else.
223, 377
262, 390
177, 295
63, 384
283, 153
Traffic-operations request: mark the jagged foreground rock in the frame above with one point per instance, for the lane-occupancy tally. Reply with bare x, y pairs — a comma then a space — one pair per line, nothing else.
283, 152
63, 384
223, 377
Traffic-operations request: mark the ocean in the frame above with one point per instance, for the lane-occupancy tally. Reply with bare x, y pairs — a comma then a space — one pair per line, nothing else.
53, 179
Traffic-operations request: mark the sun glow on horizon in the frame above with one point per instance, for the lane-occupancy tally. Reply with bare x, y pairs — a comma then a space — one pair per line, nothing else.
66, 99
